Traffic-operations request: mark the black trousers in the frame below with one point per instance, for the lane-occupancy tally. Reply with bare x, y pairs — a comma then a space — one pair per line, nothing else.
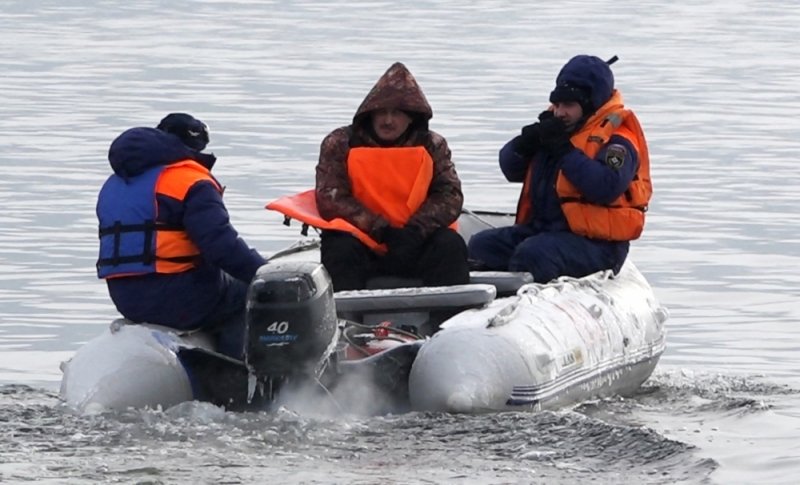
442, 261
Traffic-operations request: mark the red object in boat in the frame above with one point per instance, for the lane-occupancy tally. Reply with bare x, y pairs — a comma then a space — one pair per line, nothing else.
378, 342
382, 330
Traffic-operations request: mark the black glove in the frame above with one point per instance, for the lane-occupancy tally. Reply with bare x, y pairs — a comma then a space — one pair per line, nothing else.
546, 115
527, 143
403, 246
554, 137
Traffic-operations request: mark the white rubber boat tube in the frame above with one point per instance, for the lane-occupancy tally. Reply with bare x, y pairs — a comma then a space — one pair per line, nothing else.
128, 366
549, 346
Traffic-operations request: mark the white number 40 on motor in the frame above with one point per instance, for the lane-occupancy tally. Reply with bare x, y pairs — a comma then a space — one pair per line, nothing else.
278, 327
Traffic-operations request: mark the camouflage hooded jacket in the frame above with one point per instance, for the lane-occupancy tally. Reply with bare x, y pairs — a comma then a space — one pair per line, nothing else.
396, 89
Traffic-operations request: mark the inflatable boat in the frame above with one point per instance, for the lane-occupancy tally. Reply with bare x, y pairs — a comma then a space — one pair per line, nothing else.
511, 345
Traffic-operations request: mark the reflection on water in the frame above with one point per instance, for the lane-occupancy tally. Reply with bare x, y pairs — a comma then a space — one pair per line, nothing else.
713, 83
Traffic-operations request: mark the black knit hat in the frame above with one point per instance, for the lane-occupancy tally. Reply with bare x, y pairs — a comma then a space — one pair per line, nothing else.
192, 132
571, 92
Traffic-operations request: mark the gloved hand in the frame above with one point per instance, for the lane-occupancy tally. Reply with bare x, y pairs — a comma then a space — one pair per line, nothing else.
554, 137
528, 142
403, 245
546, 115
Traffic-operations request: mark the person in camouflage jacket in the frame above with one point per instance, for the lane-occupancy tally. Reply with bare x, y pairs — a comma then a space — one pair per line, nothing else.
394, 114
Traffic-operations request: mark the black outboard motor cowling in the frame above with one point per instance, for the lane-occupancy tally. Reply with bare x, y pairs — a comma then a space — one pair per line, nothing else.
291, 319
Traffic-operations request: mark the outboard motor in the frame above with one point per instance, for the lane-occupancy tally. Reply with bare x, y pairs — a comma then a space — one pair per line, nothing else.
291, 320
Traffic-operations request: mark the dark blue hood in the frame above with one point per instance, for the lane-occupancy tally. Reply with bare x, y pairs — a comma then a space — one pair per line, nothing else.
588, 72
138, 149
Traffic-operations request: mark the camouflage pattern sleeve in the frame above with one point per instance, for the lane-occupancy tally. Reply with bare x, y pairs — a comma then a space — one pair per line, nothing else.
445, 198
334, 191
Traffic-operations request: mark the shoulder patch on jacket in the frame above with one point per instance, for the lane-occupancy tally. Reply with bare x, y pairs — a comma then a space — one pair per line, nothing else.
615, 156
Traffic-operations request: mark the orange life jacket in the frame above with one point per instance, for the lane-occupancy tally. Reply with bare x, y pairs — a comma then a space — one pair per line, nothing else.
132, 241
175, 182
623, 219
392, 182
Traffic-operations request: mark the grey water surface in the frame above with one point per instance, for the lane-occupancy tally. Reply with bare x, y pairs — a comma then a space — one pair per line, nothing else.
714, 84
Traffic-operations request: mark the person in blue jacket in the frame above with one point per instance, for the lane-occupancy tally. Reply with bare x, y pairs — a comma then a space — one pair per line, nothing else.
585, 171
168, 251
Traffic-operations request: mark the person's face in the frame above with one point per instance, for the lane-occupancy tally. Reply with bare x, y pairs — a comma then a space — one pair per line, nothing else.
570, 112
390, 124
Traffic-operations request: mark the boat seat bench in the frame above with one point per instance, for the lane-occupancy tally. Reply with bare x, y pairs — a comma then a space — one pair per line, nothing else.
400, 300
505, 282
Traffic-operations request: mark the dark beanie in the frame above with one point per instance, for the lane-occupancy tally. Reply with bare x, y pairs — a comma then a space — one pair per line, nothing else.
570, 92
192, 132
